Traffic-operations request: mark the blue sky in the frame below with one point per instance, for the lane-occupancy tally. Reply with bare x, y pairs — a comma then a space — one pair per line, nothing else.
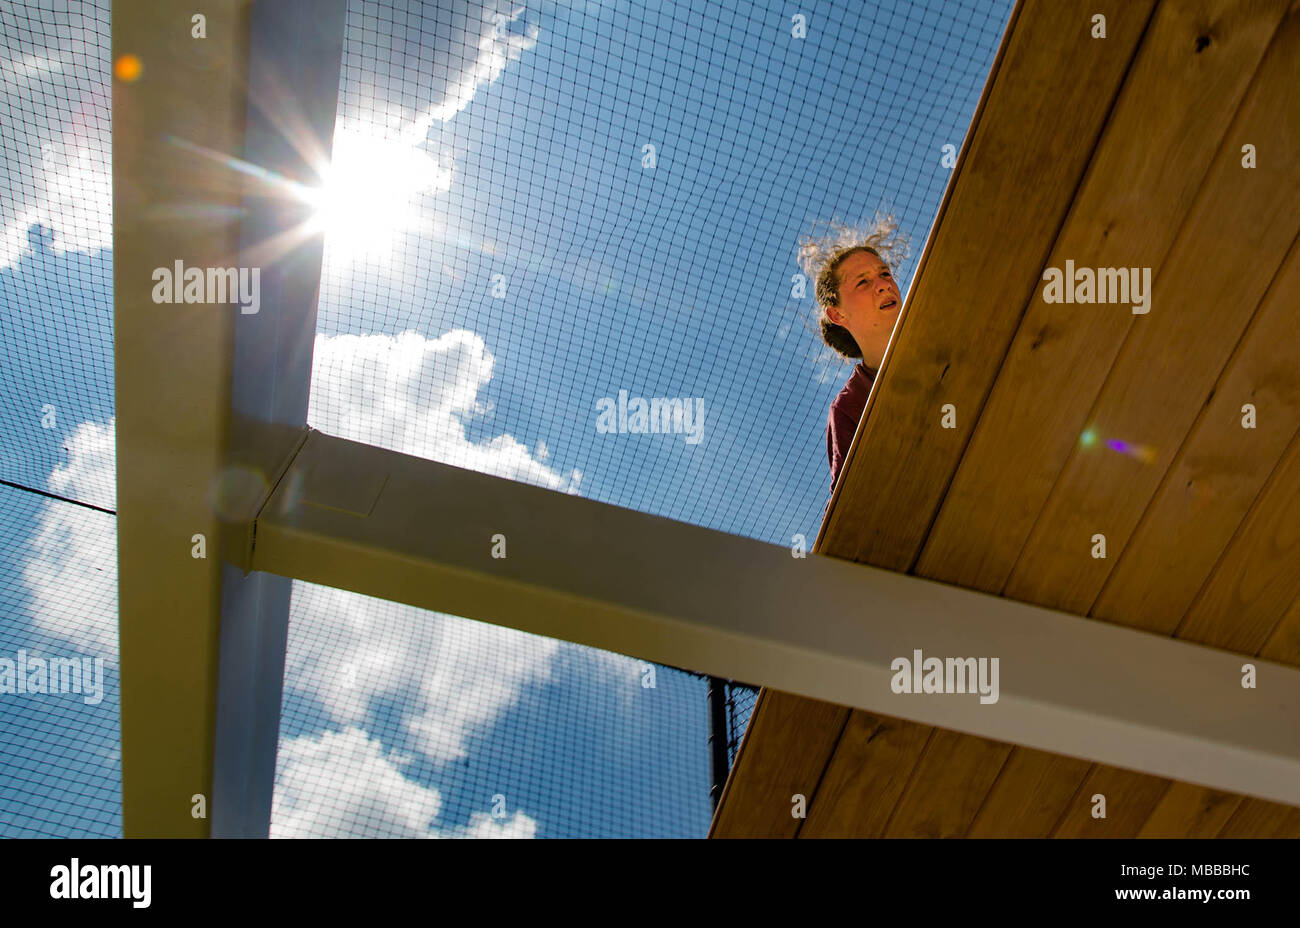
486, 151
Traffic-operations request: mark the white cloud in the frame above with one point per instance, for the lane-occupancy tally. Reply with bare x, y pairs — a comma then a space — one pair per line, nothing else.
72, 550
412, 394
57, 162
496, 47
452, 676
90, 474
343, 785
17, 73
415, 88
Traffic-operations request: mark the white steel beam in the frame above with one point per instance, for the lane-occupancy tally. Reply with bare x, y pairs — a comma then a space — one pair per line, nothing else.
295, 53
209, 121
389, 525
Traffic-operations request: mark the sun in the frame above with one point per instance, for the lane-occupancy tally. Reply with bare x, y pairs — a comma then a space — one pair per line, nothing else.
369, 194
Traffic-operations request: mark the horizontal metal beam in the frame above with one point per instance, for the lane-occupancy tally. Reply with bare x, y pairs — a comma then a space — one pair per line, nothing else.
414, 531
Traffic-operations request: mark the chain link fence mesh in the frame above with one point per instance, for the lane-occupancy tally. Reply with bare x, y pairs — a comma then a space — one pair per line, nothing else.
535, 211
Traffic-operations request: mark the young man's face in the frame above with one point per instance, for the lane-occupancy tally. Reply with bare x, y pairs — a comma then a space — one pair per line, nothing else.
869, 304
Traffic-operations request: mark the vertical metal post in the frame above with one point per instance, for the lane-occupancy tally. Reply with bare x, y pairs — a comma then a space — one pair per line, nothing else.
718, 760
210, 401
295, 52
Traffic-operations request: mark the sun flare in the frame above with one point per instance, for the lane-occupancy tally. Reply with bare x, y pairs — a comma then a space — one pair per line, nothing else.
370, 193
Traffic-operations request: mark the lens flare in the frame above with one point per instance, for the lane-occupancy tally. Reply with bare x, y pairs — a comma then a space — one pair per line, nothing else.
127, 68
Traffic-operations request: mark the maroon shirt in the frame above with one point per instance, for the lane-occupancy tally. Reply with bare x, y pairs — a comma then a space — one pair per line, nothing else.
842, 421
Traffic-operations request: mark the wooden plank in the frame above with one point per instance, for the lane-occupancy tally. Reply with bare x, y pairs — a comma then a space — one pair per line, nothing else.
1248, 597
1218, 475
1060, 356
1219, 472
1227, 253
1283, 645
1259, 576
1036, 132
1034, 787
1256, 818
940, 802
1188, 811
1259, 818
1030, 147
1130, 799
869, 769
785, 749
1253, 592
1166, 369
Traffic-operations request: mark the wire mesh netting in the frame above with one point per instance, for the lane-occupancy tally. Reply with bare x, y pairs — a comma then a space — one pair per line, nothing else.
536, 216
59, 739
740, 706
535, 212
540, 217
60, 763
403, 723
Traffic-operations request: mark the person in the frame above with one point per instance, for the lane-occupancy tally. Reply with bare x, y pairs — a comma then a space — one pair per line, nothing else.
859, 301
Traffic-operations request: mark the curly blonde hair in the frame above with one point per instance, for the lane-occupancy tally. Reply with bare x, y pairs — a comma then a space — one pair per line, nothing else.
821, 254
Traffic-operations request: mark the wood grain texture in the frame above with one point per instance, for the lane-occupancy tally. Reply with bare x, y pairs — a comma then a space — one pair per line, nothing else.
1219, 471
1161, 382
1259, 577
1204, 500
941, 799
1257, 818
786, 746
1138, 190
1062, 354
868, 771
1283, 645
1227, 253
1034, 788
1188, 811
883, 508
1130, 799
1026, 158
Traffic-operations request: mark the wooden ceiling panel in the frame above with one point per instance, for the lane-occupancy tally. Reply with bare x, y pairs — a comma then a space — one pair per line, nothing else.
1167, 370
1219, 472
870, 767
1187, 811
1033, 143
1062, 353
786, 745
1259, 577
1032, 138
1211, 284
1008, 501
